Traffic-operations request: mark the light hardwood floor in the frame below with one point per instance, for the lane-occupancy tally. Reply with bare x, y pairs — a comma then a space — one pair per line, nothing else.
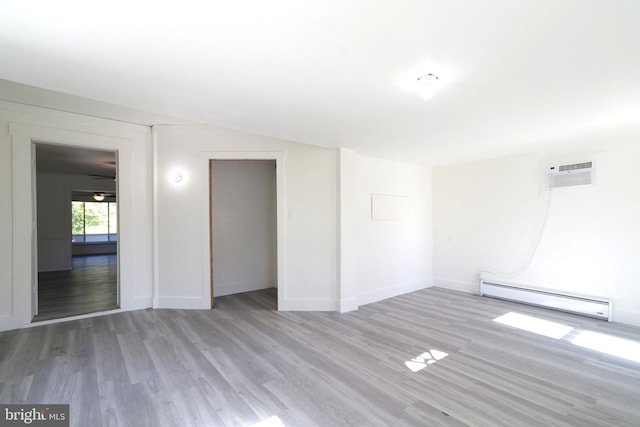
243, 362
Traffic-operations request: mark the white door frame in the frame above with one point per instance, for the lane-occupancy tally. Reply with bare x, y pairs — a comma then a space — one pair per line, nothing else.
279, 158
25, 268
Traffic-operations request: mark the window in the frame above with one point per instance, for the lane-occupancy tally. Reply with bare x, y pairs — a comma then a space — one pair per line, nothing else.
94, 222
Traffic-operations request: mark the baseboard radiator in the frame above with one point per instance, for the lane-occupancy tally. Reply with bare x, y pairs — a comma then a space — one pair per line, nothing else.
586, 306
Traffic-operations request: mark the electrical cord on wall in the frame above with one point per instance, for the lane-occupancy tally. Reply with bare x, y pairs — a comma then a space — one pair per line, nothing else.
532, 253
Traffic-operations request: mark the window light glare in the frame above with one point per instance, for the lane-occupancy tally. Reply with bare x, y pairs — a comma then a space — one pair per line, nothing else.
425, 359
535, 325
608, 344
274, 421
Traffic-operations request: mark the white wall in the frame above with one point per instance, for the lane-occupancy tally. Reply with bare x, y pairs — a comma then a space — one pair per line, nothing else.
164, 228
19, 126
309, 229
393, 256
54, 217
54, 225
489, 215
377, 259
244, 225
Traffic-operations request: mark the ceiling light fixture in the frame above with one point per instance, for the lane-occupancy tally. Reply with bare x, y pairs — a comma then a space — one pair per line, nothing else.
427, 85
98, 197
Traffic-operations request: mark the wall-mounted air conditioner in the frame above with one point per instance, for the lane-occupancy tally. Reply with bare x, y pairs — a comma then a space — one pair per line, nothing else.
570, 175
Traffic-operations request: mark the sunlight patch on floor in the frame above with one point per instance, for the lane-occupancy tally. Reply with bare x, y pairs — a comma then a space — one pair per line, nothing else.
535, 325
608, 344
425, 359
274, 421
603, 343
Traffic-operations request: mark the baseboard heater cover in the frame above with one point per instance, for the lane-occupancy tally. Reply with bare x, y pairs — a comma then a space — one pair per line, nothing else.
586, 306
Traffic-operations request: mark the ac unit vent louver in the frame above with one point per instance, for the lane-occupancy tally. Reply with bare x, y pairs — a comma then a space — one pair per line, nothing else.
575, 166
571, 175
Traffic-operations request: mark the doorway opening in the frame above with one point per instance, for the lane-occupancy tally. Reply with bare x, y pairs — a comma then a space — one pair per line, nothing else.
243, 233
77, 231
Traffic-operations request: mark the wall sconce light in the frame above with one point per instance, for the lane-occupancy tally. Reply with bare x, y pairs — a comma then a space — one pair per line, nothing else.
98, 197
177, 176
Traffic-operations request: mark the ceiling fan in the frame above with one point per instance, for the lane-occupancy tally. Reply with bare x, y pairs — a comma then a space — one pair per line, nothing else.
99, 196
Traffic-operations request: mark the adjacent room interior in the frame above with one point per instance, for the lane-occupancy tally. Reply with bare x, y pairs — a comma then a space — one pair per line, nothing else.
77, 231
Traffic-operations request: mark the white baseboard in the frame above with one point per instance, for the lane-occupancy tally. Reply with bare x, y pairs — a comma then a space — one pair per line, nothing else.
628, 317
237, 288
457, 285
138, 303
347, 304
392, 291
8, 322
187, 303
324, 304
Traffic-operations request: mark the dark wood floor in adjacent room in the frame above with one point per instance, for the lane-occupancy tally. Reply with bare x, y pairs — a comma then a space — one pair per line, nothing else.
90, 286
243, 363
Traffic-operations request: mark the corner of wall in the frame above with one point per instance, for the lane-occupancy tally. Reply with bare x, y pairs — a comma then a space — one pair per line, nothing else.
392, 291
457, 285
8, 322
628, 317
347, 304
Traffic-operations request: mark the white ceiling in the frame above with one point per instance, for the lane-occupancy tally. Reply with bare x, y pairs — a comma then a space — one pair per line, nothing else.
524, 74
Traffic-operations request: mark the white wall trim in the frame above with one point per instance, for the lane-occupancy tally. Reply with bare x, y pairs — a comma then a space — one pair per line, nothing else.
346, 226
23, 224
203, 177
8, 322
24, 267
457, 285
187, 303
392, 291
236, 288
304, 304
347, 304
140, 303
156, 266
628, 317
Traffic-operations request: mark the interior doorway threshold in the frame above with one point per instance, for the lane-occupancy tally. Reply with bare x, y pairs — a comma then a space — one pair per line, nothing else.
37, 322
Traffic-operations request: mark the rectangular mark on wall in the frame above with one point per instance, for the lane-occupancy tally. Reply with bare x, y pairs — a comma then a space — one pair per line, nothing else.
389, 207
